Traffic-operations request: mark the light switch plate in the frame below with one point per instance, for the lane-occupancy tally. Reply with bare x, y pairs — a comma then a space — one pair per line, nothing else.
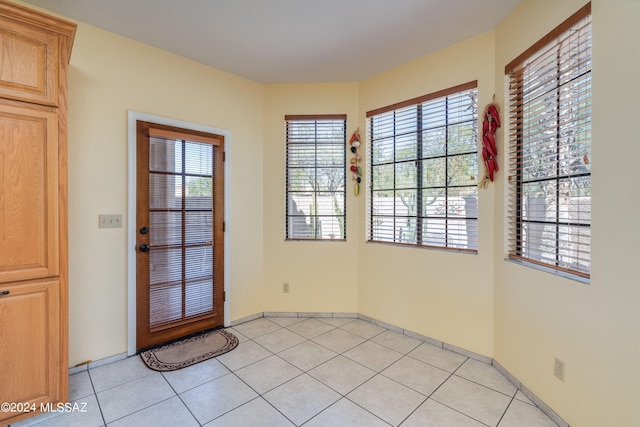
110, 221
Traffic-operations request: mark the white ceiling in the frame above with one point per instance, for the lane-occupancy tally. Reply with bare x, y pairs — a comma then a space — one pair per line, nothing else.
290, 41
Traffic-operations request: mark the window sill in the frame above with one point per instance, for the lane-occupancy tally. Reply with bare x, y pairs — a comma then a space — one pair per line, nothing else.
315, 240
562, 274
431, 248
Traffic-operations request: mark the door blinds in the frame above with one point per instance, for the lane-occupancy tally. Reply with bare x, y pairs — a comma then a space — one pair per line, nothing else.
181, 218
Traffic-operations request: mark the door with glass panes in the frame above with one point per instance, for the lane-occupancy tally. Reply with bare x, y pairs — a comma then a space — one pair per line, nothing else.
180, 236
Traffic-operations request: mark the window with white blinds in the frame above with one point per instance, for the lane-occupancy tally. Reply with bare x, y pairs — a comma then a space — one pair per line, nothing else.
316, 170
423, 170
550, 150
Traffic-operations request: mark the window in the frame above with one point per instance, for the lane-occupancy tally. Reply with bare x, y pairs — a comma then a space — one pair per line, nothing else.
316, 169
423, 169
550, 149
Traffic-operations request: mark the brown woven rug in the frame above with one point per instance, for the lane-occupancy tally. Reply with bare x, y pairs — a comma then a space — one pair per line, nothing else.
189, 351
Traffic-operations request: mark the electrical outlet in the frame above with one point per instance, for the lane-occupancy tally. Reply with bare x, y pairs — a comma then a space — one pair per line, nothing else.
558, 369
285, 287
110, 221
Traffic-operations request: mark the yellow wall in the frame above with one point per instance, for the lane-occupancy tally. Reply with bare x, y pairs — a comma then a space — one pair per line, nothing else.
109, 75
520, 316
444, 295
592, 328
323, 276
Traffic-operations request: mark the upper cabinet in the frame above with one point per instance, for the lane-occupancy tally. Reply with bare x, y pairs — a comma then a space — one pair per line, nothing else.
29, 193
30, 54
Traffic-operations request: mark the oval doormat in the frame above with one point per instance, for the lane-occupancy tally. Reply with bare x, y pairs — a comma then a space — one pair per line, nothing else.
189, 351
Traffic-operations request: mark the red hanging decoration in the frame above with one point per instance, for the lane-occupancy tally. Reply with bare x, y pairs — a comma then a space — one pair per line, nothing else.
490, 124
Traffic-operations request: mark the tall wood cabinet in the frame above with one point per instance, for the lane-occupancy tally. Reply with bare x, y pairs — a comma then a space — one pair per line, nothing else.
34, 55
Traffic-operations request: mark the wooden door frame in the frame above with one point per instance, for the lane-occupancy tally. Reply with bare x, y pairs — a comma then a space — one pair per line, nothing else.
133, 117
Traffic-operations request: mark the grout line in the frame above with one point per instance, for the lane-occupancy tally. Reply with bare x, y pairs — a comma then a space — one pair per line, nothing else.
95, 394
505, 410
386, 327
180, 397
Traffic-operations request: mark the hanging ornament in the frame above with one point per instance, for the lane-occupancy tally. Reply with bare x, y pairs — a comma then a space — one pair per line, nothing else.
490, 124
356, 171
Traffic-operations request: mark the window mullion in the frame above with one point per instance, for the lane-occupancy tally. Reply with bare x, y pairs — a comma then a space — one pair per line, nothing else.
446, 171
395, 159
419, 176
558, 136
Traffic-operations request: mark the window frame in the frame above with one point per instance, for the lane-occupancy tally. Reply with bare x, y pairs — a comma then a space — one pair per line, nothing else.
334, 144
516, 217
421, 218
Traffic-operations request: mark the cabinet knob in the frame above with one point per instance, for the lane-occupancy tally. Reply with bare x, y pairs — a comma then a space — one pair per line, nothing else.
3, 293
144, 247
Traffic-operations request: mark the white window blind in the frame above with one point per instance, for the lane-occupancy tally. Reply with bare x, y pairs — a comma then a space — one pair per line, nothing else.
550, 151
423, 170
316, 170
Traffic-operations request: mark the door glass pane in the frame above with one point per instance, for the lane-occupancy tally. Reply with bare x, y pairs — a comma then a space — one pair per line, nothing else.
181, 219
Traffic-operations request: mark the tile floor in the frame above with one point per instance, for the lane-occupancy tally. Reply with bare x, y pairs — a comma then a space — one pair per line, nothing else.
290, 371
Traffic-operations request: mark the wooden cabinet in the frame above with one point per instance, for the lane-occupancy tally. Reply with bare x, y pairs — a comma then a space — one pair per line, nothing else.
34, 53
30, 349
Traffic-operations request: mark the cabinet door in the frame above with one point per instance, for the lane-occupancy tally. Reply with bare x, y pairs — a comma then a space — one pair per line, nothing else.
29, 59
29, 224
29, 344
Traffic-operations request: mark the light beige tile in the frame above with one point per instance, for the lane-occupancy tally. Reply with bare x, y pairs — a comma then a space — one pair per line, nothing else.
364, 329
521, 414
339, 340
396, 341
345, 413
169, 413
373, 356
486, 375
341, 374
307, 355
438, 357
268, 373
80, 385
337, 321
256, 413
241, 338
416, 375
192, 376
301, 398
120, 372
125, 399
217, 397
286, 321
255, 328
244, 354
386, 399
279, 340
310, 328
522, 398
432, 413
83, 412
473, 400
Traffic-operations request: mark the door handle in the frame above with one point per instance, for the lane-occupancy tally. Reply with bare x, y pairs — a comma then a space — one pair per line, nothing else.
144, 247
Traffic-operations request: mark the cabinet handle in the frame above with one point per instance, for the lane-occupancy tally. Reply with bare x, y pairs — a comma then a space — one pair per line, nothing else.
3, 293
